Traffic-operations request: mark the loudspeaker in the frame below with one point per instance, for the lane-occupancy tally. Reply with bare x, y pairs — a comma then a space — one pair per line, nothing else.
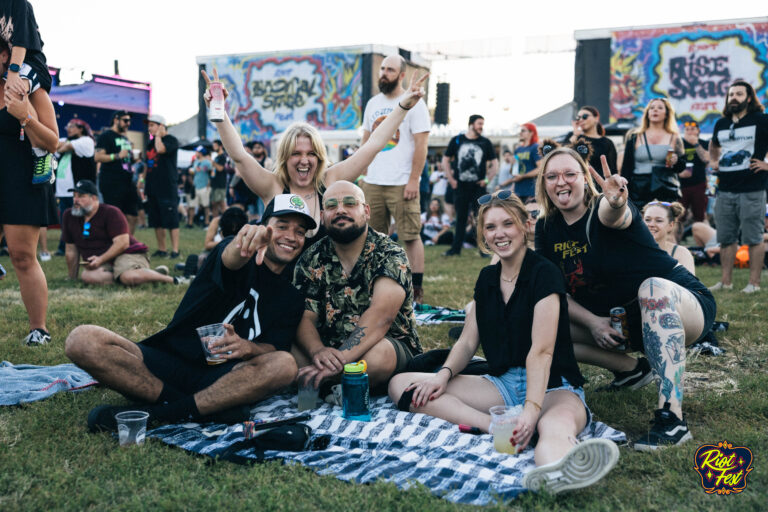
443, 101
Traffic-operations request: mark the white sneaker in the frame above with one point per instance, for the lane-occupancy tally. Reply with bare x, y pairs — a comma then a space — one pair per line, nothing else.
162, 269
36, 337
750, 288
720, 286
45, 256
583, 465
181, 280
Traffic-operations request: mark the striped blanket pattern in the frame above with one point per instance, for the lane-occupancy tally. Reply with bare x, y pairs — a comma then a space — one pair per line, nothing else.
395, 446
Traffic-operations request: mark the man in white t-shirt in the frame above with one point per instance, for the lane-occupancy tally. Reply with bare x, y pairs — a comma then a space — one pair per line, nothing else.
391, 185
75, 163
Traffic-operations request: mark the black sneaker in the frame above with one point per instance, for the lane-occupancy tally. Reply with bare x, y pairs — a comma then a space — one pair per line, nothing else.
37, 337
667, 430
451, 252
633, 379
175, 254
102, 418
160, 254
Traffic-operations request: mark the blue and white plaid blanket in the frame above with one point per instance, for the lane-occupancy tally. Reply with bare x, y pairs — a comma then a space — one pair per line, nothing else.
395, 446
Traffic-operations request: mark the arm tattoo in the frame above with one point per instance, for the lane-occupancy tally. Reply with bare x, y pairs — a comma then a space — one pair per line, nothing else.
354, 339
626, 220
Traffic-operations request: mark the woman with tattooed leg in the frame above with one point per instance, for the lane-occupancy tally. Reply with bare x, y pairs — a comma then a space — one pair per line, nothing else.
610, 259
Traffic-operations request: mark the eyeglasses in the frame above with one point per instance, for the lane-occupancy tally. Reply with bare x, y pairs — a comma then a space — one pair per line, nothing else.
86, 229
582, 117
568, 176
126, 119
534, 214
501, 194
732, 133
691, 124
659, 203
333, 203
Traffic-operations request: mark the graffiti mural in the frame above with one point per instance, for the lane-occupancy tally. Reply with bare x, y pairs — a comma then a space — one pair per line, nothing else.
267, 94
691, 65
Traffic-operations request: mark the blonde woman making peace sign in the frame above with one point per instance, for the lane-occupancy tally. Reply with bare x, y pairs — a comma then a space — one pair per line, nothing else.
609, 259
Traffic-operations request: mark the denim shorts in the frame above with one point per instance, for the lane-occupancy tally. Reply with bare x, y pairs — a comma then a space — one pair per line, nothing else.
511, 386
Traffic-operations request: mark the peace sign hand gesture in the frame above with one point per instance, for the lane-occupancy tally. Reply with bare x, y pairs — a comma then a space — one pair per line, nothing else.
414, 93
207, 95
614, 185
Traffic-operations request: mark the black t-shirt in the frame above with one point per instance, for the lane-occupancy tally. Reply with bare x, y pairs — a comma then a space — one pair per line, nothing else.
602, 146
219, 178
162, 176
505, 329
750, 140
219, 294
470, 157
699, 167
606, 271
119, 169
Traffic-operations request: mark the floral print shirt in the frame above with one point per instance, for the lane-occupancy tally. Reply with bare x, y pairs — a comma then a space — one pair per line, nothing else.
340, 299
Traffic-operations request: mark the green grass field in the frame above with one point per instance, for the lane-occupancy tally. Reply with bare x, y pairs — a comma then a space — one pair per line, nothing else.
48, 460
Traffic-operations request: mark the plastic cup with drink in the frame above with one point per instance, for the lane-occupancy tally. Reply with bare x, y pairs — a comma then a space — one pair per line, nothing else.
503, 424
307, 396
209, 334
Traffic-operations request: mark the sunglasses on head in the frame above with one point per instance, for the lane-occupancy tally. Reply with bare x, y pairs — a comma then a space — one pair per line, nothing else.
582, 117
501, 194
86, 229
333, 203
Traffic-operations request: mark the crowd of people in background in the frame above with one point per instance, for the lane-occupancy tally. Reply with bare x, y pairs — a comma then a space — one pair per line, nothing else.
608, 227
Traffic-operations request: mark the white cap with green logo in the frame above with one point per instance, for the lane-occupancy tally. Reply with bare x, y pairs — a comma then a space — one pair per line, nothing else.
288, 204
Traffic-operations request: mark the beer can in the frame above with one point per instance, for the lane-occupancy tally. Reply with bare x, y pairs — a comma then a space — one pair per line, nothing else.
668, 160
619, 323
217, 106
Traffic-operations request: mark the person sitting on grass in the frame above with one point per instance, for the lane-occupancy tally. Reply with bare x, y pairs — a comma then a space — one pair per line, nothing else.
243, 285
608, 258
520, 319
99, 234
359, 295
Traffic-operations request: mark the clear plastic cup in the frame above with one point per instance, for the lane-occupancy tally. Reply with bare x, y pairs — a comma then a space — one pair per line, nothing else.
131, 427
208, 334
503, 423
307, 397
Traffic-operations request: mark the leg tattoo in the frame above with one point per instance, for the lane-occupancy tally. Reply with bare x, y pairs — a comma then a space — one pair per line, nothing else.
664, 336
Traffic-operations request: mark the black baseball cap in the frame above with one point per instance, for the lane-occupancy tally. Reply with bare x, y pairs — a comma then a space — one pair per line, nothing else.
288, 204
120, 113
85, 187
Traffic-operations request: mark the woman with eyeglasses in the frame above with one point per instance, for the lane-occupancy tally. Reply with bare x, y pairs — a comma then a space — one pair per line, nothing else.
24, 207
520, 319
662, 218
609, 259
587, 124
302, 166
654, 156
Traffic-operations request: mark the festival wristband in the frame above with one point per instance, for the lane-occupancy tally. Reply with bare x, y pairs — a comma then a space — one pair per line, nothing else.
402, 107
446, 368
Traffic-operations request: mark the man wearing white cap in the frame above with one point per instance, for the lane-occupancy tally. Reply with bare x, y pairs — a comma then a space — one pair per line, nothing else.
161, 185
244, 284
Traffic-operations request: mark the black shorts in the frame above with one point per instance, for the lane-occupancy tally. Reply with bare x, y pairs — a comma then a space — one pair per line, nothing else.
688, 281
162, 213
120, 195
182, 374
